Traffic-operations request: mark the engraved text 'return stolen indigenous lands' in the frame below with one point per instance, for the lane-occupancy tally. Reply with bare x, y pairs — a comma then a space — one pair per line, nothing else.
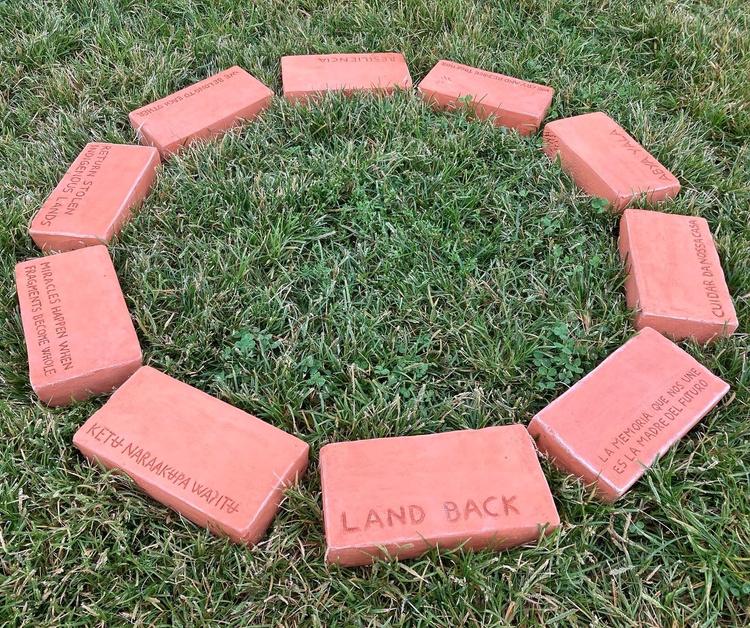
95, 197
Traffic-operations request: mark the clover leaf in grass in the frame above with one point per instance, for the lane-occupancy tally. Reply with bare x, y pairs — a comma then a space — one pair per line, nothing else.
251, 343
317, 380
599, 204
559, 360
314, 371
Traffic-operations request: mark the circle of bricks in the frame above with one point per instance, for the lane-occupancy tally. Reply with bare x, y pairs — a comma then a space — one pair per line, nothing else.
439, 89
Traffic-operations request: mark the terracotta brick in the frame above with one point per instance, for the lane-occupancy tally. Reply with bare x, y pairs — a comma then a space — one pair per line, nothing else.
401, 496
220, 467
614, 423
508, 101
606, 162
307, 77
79, 335
95, 197
675, 281
203, 110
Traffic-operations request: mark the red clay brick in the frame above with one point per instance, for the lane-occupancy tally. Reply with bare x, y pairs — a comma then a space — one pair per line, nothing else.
401, 496
307, 77
95, 197
79, 335
606, 162
203, 110
220, 467
508, 101
675, 281
614, 423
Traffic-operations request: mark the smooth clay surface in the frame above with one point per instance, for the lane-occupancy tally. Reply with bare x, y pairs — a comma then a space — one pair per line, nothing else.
400, 496
606, 162
613, 424
95, 197
79, 336
306, 77
203, 110
675, 282
220, 467
508, 101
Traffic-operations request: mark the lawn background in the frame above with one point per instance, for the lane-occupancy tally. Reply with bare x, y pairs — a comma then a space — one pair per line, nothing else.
370, 268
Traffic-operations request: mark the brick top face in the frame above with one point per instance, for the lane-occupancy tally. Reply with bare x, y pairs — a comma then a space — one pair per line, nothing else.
79, 335
201, 110
510, 101
675, 279
612, 425
217, 465
483, 487
307, 76
605, 161
95, 196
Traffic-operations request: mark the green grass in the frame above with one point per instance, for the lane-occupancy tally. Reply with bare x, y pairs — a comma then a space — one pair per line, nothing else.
366, 268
